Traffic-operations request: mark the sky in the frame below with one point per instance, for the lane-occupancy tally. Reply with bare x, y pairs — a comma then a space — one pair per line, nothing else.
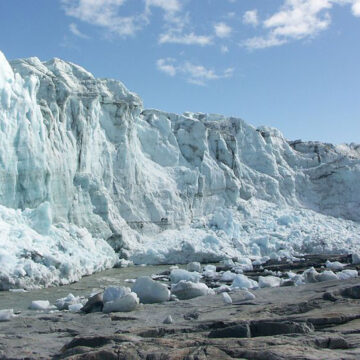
289, 64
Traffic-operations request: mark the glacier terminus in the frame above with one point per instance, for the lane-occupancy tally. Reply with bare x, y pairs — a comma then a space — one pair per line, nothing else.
88, 177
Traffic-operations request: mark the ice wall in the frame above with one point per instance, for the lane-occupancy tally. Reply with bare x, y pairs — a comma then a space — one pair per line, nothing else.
156, 186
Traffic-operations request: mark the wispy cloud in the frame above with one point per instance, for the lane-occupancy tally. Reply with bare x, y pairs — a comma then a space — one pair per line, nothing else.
193, 73
176, 37
224, 49
105, 13
74, 29
222, 30
251, 17
167, 66
169, 6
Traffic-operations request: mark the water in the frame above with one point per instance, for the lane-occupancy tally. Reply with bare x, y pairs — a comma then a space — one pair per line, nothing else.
20, 301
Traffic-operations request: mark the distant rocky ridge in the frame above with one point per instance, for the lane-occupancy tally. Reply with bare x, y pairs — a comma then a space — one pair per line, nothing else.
84, 166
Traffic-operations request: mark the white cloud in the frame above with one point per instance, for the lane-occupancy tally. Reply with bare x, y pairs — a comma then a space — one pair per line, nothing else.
251, 17
74, 29
224, 49
194, 74
294, 20
222, 30
298, 19
104, 13
176, 37
166, 5
259, 42
167, 66
356, 8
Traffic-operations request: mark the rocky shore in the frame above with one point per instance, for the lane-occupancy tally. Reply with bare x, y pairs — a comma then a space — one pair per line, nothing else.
319, 320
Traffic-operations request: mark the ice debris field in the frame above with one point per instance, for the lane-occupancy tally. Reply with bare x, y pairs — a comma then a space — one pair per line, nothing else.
224, 280
90, 177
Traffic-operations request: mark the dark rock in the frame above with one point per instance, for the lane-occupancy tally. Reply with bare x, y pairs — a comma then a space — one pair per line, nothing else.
331, 343
103, 355
270, 328
92, 342
164, 273
329, 296
288, 283
352, 292
236, 331
338, 343
191, 316
94, 304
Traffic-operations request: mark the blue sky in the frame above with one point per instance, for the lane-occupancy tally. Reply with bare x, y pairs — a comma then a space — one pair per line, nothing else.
290, 64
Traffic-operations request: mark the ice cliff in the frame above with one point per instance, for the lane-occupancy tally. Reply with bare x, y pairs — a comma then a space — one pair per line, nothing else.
88, 175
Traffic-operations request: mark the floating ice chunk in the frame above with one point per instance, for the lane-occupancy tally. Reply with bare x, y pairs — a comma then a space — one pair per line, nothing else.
112, 293
244, 264
327, 275
125, 303
238, 269
269, 281
227, 263
244, 261
261, 260
177, 275
119, 299
226, 298
298, 279
222, 288
209, 267
173, 267
310, 275
150, 291
347, 274
355, 259
187, 290
242, 281
211, 274
75, 308
7, 314
336, 265
168, 320
40, 305
227, 276
123, 263
247, 295
131, 281
63, 303
194, 266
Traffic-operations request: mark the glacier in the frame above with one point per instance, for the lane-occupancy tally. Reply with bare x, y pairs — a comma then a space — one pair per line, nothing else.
89, 176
